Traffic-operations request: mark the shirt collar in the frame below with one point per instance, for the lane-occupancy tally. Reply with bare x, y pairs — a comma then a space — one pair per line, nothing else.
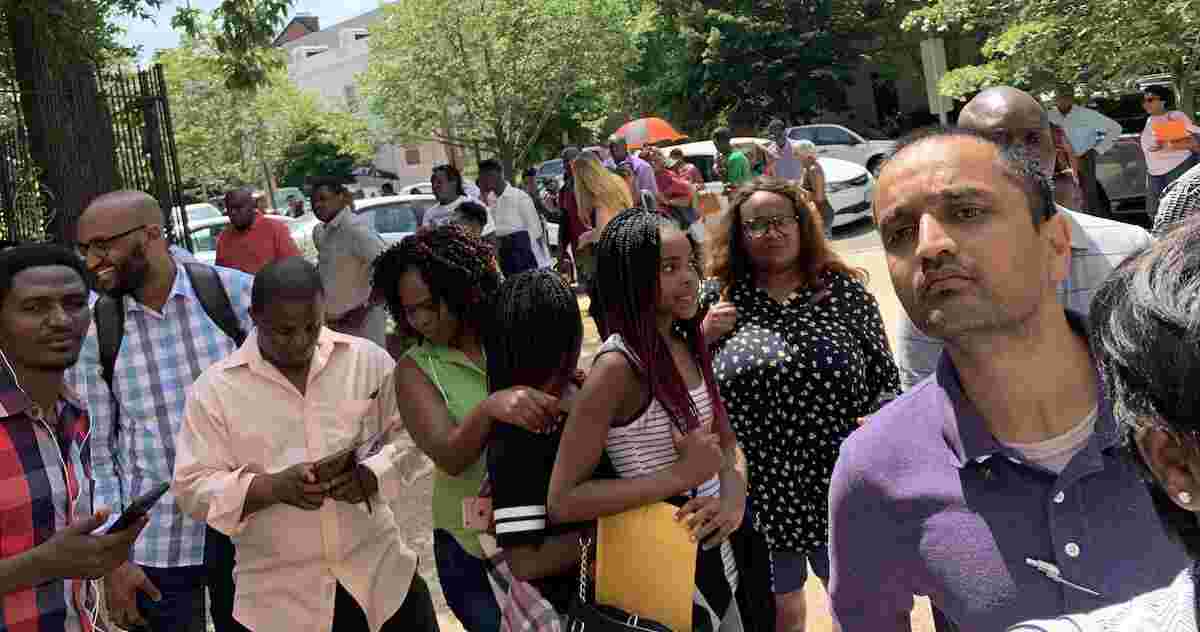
341, 219
1079, 236
181, 287
966, 432
14, 401
249, 354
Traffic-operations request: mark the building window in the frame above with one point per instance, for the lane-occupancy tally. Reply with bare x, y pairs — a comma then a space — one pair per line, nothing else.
361, 35
412, 156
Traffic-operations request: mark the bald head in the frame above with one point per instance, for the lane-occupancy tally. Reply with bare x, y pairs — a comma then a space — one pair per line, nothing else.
124, 207
1012, 117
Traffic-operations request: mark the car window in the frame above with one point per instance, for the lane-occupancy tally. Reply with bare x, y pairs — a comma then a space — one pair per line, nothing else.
205, 239
803, 133
550, 168
829, 135
395, 218
202, 211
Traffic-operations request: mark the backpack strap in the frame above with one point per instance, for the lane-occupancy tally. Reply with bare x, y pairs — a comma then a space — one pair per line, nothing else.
109, 313
215, 300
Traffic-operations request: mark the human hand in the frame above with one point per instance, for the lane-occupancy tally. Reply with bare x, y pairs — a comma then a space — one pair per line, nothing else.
353, 487
719, 320
711, 520
297, 486
75, 553
525, 407
120, 595
700, 456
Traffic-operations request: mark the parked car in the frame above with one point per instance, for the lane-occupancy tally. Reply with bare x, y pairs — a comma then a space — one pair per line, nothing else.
423, 188
395, 217
205, 232
847, 184
862, 147
201, 211
1122, 172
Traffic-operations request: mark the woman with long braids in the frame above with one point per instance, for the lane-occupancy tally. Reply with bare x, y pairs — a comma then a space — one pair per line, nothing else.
439, 284
535, 341
800, 354
651, 402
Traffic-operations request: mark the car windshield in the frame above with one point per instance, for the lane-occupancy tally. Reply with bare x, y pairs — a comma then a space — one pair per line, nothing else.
550, 168
395, 218
201, 211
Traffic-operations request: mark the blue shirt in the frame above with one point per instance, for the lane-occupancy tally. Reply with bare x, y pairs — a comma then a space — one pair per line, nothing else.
1087, 129
925, 501
161, 355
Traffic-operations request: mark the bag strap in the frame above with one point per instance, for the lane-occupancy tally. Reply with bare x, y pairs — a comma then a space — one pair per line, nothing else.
109, 313
585, 549
215, 300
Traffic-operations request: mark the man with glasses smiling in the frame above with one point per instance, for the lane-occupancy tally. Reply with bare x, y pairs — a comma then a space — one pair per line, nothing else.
167, 335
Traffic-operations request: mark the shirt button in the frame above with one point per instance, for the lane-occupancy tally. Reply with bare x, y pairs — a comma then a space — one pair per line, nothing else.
1059, 497
1072, 549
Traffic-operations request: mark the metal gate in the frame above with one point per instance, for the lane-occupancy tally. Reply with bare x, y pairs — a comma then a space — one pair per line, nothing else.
133, 105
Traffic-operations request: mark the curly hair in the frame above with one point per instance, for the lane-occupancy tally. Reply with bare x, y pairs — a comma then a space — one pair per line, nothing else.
459, 269
729, 261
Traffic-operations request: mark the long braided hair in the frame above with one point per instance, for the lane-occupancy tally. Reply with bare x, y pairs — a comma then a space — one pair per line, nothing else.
628, 259
459, 269
536, 333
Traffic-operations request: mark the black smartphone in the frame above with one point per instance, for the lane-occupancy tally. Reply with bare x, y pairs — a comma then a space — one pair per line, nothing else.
335, 465
139, 507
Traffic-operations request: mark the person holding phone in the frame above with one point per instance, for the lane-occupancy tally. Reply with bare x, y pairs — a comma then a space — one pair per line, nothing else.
49, 548
292, 447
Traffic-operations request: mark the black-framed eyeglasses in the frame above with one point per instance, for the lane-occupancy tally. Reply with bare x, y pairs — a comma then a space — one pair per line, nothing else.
104, 244
759, 226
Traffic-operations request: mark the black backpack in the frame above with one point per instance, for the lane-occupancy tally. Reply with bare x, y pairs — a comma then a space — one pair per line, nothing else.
110, 317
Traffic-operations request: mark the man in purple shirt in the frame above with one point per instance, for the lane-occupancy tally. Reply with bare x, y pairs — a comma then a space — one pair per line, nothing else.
995, 487
643, 173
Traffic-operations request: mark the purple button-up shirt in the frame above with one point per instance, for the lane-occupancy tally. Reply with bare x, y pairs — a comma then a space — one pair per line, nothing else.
643, 174
925, 501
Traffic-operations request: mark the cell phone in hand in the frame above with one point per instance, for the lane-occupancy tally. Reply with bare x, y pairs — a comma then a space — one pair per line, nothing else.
335, 465
138, 508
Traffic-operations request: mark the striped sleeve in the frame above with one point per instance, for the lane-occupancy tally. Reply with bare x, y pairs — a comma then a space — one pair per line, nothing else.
520, 464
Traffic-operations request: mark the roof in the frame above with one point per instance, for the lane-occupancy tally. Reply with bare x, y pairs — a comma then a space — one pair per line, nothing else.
328, 36
310, 23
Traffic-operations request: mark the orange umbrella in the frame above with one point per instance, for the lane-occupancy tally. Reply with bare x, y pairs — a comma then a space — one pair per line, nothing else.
648, 131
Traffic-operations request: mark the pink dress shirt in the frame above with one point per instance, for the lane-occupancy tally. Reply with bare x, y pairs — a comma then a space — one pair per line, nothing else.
243, 417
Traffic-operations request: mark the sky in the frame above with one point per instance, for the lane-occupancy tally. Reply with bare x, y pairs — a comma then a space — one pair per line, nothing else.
157, 34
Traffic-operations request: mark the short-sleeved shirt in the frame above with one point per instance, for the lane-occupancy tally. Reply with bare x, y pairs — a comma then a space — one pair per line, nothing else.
265, 241
1097, 246
795, 377
346, 249
737, 168
925, 501
462, 385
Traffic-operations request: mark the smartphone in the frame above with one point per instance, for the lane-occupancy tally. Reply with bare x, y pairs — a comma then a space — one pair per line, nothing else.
138, 508
335, 465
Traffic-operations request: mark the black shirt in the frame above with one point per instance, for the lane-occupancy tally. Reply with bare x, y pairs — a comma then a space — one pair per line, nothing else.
795, 378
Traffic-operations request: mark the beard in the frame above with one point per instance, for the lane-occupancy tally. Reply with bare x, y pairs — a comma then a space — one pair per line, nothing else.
130, 274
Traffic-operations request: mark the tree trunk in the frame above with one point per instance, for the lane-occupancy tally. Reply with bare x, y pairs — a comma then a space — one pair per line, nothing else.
69, 129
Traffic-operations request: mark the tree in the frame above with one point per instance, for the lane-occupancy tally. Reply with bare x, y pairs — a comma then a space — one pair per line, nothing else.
228, 136
491, 74
310, 154
1036, 43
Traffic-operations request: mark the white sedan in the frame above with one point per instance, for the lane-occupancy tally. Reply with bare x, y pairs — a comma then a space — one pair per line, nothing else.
205, 232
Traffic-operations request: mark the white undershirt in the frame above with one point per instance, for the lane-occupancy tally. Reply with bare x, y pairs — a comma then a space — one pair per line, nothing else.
1056, 452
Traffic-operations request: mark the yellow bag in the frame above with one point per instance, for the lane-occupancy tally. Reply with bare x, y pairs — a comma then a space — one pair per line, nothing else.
646, 565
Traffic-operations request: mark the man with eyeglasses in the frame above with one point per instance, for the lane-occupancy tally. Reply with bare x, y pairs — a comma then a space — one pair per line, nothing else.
168, 337
49, 551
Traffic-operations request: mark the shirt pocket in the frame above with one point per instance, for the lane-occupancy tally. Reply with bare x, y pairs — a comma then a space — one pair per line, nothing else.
347, 422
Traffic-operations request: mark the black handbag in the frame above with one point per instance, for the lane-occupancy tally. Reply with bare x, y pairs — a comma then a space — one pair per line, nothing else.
584, 616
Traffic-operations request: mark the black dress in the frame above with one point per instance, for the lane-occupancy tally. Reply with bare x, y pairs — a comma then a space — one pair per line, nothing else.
795, 378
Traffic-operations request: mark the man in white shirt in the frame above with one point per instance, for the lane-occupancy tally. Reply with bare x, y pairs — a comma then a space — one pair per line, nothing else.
448, 188
1091, 134
520, 234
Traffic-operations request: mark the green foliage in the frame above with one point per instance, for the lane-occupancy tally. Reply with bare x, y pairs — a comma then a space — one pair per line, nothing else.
311, 155
243, 37
494, 74
227, 137
1036, 43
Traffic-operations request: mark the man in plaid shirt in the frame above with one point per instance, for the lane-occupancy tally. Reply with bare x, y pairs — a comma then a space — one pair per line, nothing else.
168, 340
46, 546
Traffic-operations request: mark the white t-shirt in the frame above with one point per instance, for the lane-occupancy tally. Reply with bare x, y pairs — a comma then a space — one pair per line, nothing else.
514, 212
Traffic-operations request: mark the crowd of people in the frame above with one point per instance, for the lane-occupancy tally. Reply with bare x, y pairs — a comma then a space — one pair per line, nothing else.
1026, 458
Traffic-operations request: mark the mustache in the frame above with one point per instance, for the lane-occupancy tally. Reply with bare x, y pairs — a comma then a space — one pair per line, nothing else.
933, 274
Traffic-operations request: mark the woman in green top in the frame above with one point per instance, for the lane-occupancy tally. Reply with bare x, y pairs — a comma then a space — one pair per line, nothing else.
439, 285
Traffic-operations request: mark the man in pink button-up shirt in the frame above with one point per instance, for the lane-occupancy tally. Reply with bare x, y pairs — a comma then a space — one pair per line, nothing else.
314, 552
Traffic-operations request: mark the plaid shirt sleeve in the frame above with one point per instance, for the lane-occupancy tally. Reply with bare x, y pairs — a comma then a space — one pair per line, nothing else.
94, 393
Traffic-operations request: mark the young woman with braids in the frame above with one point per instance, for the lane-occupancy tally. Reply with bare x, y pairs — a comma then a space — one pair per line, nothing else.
651, 403
535, 341
439, 284
800, 353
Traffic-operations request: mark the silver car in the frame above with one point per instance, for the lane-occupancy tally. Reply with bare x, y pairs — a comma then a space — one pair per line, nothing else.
862, 147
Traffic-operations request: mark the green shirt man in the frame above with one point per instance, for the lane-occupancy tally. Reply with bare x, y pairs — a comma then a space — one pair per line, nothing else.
735, 166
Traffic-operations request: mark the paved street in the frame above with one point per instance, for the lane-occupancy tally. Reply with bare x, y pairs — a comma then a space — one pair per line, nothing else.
860, 246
